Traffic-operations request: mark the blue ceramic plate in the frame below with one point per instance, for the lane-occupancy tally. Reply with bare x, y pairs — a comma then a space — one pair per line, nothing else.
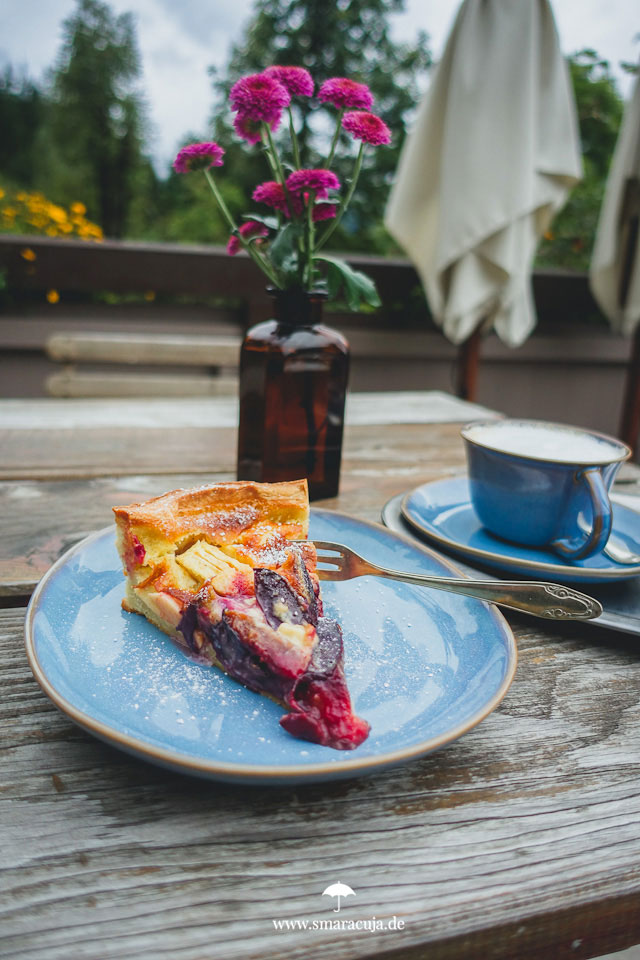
423, 668
442, 512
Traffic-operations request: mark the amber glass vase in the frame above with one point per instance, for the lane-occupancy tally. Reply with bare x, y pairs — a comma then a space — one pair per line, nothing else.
293, 383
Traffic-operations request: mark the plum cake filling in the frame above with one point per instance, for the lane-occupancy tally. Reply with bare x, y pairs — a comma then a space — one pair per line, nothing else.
317, 695
230, 583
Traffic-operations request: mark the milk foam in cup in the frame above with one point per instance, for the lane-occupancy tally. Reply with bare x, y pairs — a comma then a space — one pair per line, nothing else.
532, 481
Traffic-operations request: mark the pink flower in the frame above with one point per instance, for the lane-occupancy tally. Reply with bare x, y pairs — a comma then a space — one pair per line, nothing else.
260, 98
367, 127
342, 92
247, 128
246, 230
318, 180
297, 80
324, 211
198, 156
271, 193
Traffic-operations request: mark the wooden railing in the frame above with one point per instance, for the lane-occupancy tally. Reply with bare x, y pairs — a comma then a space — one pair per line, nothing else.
202, 287
36, 264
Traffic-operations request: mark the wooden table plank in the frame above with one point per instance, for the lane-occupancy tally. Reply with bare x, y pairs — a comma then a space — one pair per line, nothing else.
65, 439
43, 517
520, 838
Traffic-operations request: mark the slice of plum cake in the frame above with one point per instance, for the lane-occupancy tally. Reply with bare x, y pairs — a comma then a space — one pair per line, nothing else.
226, 570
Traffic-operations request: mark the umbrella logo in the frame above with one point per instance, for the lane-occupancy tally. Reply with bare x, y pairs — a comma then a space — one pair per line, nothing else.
338, 890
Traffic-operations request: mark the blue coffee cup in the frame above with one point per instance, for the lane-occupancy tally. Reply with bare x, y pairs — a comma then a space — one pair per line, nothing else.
543, 484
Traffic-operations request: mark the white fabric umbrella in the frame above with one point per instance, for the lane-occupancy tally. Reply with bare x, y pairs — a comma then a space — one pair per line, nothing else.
615, 264
492, 156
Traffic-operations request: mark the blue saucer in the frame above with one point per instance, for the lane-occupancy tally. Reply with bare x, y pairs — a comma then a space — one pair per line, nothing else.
423, 667
443, 513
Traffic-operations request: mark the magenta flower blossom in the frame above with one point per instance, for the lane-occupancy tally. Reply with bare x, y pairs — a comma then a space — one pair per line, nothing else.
198, 156
342, 92
297, 80
272, 194
319, 180
247, 128
260, 98
367, 127
247, 231
324, 211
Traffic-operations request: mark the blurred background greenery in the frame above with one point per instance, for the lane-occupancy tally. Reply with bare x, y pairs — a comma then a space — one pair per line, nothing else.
73, 159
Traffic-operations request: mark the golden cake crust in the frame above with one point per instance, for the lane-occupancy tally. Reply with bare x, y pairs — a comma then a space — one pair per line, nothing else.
224, 513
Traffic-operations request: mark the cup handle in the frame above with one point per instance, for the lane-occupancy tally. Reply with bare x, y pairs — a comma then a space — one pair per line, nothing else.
581, 548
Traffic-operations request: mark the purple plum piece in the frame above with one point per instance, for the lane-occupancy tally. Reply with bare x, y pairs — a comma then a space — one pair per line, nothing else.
243, 665
328, 651
188, 624
273, 593
233, 654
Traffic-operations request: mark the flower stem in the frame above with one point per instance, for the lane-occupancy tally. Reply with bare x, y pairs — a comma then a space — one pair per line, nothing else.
278, 169
309, 239
270, 159
336, 135
345, 203
294, 141
220, 200
258, 259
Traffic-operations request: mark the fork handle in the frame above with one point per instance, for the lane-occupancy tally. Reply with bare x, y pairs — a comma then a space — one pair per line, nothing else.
551, 601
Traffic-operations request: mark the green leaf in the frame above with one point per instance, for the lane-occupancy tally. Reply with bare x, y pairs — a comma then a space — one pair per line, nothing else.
358, 287
283, 251
266, 220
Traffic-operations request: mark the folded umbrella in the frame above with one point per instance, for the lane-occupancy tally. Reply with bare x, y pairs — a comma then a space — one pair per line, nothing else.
615, 265
493, 154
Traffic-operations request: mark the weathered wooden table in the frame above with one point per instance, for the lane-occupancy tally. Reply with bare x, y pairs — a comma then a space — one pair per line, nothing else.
520, 839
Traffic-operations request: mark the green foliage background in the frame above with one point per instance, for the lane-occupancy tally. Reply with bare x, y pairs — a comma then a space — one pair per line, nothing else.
80, 135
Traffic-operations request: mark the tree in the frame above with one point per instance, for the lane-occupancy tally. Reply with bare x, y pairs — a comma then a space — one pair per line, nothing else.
97, 119
569, 241
349, 38
22, 111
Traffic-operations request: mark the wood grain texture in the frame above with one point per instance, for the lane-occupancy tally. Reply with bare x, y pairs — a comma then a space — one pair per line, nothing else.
140, 348
84, 382
43, 517
521, 838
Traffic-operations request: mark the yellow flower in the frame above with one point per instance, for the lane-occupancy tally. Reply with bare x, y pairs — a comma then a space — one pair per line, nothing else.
150, 295
28, 254
33, 210
53, 296
57, 214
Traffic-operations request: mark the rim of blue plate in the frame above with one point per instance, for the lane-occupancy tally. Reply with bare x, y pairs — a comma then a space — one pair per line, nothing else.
615, 573
266, 774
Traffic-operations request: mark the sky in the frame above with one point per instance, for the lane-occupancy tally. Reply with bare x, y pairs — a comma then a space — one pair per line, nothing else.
180, 39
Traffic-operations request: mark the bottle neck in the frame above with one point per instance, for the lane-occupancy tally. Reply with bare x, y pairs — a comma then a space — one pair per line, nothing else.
298, 308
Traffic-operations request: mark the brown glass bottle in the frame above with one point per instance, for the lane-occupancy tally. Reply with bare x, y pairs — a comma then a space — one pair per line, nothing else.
293, 383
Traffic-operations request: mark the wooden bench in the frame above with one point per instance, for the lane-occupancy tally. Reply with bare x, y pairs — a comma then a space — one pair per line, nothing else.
216, 356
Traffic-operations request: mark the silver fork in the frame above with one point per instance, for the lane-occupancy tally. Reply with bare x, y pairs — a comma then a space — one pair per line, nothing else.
551, 601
